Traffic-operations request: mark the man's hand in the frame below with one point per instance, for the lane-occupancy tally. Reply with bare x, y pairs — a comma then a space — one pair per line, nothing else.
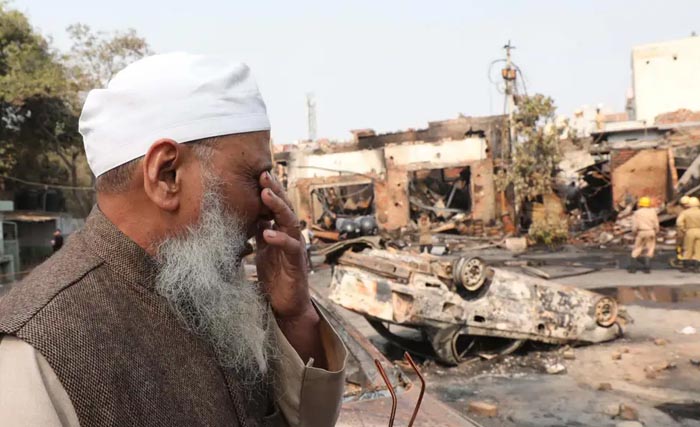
281, 263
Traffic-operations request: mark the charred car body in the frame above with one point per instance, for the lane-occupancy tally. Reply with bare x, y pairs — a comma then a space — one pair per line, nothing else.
464, 307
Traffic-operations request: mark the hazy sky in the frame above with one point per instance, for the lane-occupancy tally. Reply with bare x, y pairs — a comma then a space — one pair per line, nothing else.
390, 65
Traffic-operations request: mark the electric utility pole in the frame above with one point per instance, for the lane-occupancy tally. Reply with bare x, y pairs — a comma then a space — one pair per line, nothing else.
509, 74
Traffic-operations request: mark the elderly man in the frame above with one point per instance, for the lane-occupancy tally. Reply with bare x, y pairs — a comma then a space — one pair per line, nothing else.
145, 316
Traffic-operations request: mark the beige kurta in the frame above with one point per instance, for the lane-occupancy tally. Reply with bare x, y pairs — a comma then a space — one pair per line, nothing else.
32, 395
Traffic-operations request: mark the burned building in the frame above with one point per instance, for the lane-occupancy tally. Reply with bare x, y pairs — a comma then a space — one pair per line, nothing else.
489, 127
445, 170
648, 150
645, 160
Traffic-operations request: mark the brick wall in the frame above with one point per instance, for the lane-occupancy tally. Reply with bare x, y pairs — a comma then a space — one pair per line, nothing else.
639, 173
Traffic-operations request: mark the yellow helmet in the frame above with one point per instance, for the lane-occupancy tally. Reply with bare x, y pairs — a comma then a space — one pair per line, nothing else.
694, 202
685, 200
644, 202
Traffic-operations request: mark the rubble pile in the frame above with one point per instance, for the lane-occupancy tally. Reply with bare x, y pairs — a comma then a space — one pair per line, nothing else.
444, 195
619, 233
682, 115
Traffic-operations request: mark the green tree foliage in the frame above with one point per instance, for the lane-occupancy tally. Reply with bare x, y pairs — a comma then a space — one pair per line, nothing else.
549, 230
29, 74
537, 150
41, 95
96, 57
535, 159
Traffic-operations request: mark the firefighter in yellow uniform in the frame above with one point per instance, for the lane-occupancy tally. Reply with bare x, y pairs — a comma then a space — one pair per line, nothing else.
645, 226
685, 200
688, 223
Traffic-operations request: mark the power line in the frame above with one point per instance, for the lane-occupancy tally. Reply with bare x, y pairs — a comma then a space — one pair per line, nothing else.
522, 77
490, 75
41, 184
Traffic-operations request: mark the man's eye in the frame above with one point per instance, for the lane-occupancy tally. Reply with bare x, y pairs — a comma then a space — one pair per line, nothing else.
255, 183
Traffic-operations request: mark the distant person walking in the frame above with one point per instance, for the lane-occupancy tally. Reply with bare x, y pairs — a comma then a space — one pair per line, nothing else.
57, 241
688, 223
308, 235
425, 239
645, 226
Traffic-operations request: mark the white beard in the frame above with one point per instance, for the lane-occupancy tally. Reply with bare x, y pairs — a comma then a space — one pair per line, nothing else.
204, 282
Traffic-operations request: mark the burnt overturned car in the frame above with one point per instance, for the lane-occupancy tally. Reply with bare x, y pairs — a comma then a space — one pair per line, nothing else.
464, 308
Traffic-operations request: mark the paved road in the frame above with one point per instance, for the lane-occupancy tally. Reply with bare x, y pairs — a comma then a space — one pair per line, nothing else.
618, 277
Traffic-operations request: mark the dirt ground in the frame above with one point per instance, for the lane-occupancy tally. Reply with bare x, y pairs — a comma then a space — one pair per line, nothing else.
649, 370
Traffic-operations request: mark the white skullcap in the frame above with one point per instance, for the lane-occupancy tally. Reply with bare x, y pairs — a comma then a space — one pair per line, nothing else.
179, 96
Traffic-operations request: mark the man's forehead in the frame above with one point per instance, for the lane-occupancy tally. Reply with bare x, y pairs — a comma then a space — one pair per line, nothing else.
252, 142
253, 148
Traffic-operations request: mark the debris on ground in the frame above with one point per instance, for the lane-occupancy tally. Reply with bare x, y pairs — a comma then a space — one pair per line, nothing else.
662, 366
604, 387
688, 330
613, 410
605, 237
616, 355
555, 369
483, 409
628, 412
516, 244
568, 354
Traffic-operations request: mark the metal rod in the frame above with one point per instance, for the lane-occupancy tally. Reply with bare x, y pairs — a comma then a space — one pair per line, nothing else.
382, 372
410, 361
452, 193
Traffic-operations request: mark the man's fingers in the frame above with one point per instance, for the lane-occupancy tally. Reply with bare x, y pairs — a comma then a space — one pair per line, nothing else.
283, 241
259, 238
285, 219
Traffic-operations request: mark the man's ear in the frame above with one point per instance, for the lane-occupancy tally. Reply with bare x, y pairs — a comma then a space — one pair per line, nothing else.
161, 174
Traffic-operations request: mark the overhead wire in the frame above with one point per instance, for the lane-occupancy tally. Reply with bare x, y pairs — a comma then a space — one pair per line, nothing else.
81, 188
496, 83
490, 74
522, 77
45, 185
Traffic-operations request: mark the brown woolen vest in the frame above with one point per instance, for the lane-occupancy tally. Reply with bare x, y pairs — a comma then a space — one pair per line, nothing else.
120, 353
